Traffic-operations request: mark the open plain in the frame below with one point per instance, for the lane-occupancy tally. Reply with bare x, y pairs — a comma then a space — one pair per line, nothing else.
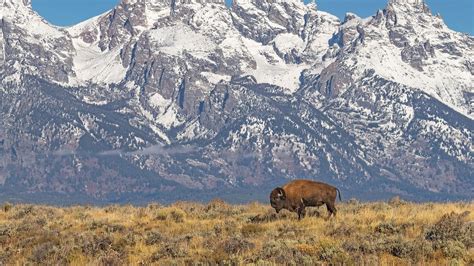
376, 233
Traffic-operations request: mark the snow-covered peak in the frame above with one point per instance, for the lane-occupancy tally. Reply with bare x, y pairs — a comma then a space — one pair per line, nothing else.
29, 45
15, 3
11, 8
352, 20
406, 44
172, 2
202, 2
408, 6
281, 9
410, 2
239, 2
350, 16
20, 13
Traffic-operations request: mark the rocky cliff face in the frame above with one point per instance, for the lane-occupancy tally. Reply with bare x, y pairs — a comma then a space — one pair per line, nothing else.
171, 100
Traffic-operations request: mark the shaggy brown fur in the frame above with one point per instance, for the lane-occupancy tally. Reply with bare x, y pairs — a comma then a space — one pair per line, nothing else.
299, 194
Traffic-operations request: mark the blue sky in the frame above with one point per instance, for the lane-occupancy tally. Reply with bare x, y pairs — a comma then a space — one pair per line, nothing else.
458, 14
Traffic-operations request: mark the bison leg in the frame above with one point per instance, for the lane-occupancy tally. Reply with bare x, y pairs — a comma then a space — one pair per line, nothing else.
331, 209
301, 211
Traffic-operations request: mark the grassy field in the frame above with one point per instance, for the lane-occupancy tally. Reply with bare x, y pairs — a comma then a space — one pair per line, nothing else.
380, 233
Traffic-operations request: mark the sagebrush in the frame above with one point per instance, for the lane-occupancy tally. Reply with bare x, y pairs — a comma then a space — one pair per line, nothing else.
393, 233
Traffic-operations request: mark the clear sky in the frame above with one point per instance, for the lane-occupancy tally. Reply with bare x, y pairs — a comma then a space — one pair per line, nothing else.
458, 14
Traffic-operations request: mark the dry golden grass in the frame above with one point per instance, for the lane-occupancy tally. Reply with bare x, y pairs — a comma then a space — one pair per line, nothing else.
380, 233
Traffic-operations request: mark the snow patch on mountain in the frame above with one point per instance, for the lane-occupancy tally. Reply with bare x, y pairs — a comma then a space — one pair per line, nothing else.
271, 68
155, 10
2, 49
158, 101
214, 21
286, 42
93, 65
214, 78
169, 118
177, 39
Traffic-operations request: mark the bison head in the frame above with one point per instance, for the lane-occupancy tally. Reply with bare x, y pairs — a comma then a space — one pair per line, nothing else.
278, 199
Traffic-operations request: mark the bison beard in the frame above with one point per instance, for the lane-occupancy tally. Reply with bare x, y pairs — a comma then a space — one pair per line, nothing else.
299, 194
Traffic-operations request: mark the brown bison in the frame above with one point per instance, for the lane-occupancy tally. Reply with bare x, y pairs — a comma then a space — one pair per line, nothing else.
299, 194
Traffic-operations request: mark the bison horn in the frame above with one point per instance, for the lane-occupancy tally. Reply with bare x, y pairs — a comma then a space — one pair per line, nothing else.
281, 193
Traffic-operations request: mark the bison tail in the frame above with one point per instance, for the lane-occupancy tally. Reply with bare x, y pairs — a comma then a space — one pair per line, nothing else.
339, 192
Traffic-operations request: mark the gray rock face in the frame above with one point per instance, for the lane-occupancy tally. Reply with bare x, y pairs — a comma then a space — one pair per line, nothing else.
416, 54
167, 100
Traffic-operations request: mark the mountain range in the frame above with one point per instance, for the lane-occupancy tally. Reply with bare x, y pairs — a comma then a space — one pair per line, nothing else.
190, 100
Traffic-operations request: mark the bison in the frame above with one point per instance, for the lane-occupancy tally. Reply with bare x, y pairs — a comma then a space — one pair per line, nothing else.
299, 194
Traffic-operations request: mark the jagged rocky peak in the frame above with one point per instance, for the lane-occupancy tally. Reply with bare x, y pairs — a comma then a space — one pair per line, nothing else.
411, 2
21, 14
350, 16
131, 17
11, 8
263, 20
28, 41
348, 31
275, 7
408, 5
237, 2
414, 14
15, 3
171, 3
198, 1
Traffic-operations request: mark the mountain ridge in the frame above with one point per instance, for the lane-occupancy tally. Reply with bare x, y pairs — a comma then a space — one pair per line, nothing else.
199, 96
